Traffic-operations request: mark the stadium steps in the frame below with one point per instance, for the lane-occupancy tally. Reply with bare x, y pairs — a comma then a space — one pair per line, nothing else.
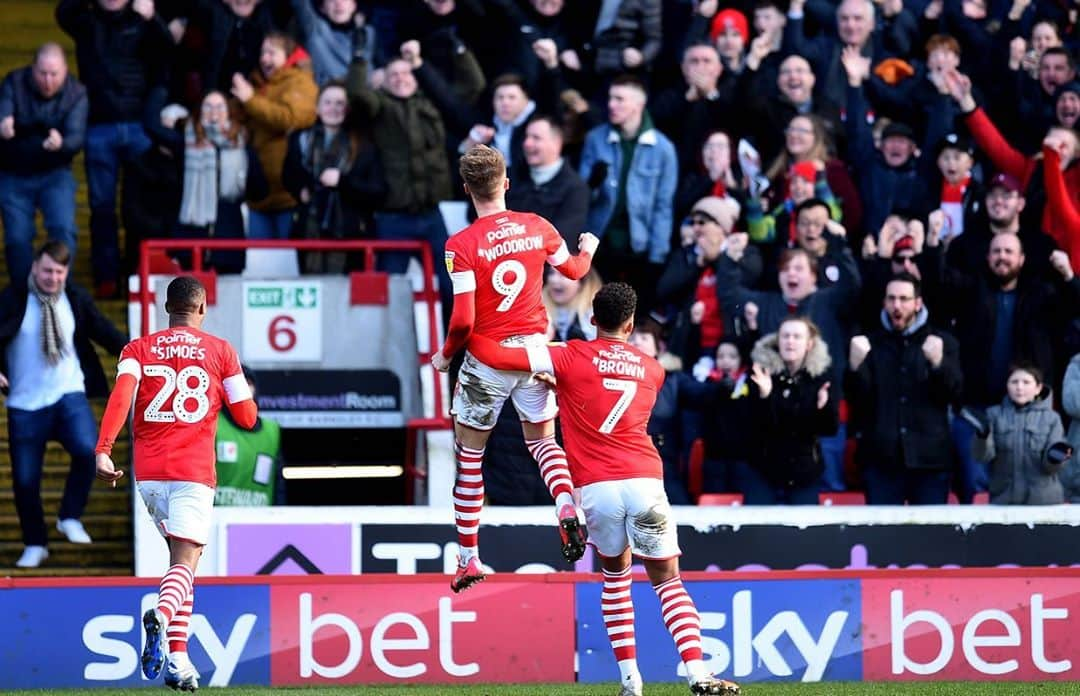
27, 24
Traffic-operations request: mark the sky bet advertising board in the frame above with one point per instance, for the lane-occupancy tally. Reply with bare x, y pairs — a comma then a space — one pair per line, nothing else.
876, 626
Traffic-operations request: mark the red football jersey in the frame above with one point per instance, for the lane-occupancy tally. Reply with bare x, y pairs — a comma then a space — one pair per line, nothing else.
184, 377
606, 394
501, 257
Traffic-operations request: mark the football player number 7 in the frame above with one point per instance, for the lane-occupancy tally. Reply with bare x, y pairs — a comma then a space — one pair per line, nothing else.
179, 386
628, 390
509, 290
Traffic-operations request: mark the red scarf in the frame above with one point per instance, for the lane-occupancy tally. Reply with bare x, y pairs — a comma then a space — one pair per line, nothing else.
952, 204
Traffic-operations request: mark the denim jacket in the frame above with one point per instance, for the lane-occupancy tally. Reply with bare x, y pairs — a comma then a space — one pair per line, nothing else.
650, 187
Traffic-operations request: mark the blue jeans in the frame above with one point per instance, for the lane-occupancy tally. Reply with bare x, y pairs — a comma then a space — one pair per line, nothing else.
914, 486
832, 452
108, 145
275, 225
21, 196
69, 421
427, 227
758, 490
971, 474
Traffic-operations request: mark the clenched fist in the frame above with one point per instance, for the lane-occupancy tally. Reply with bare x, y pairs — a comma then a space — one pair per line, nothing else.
857, 351
934, 350
588, 243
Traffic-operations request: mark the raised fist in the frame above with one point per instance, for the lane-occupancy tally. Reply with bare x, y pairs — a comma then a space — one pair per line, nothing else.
857, 351
410, 51
934, 350
588, 243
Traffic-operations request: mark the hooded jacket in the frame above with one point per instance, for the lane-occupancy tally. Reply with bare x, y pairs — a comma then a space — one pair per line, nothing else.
1016, 447
788, 422
899, 403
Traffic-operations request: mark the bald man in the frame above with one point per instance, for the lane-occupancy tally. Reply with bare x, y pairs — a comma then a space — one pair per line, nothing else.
42, 126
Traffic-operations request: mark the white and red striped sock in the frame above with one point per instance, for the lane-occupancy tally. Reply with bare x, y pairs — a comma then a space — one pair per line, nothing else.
174, 589
682, 620
618, 611
177, 632
554, 469
468, 499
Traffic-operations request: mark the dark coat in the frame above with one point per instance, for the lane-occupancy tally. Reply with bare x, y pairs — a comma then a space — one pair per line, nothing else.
34, 117
899, 404
120, 56
411, 141
563, 201
679, 392
347, 210
788, 423
677, 289
90, 326
833, 308
1042, 313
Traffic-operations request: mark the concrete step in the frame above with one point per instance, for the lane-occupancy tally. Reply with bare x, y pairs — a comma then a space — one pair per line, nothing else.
100, 527
48, 571
63, 554
103, 501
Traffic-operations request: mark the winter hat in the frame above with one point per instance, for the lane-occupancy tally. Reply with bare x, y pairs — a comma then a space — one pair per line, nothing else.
1005, 181
893, 71
898, 129
725, 211
729, 19
1073, 87
803, 170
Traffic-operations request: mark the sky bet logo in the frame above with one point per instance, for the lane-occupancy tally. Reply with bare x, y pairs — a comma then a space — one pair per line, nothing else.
771, 630
93, 636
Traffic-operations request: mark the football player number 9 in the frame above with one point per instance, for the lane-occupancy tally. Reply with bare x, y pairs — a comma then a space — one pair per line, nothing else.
179, 386
510, 290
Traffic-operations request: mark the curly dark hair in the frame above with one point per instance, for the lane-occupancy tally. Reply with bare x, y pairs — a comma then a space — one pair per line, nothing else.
613, 304
184, 295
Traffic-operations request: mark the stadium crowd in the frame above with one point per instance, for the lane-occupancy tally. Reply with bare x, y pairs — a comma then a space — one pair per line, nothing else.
854, 226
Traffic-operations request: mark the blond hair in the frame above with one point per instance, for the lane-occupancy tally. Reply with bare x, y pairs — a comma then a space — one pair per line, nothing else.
580, 304
483, 170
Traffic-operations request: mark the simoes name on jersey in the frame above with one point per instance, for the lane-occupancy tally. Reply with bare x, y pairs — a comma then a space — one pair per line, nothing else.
618, 361
507, 239
178, 345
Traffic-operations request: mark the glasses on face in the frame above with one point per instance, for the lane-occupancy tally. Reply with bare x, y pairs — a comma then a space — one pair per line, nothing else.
795, 130
698, 220
214, 107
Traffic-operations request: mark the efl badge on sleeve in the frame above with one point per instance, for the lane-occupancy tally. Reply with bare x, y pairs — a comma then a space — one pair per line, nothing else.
449, 256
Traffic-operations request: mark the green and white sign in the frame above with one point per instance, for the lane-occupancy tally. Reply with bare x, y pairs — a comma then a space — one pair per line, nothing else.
283, 321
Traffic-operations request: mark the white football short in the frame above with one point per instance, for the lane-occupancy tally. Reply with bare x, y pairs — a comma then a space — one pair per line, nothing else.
631, 512
481, 392
180, 509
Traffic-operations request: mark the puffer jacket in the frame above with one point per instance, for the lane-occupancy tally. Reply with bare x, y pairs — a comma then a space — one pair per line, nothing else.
1016, 447
788, 422
1070, 403
283, 102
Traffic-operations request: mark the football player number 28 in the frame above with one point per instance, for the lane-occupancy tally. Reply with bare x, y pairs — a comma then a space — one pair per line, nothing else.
627, 389
509, 290
187, 388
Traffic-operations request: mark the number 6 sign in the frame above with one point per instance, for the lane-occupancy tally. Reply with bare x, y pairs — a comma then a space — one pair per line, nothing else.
283, 321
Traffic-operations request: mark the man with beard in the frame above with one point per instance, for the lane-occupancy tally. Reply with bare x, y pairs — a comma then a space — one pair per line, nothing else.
1005, 314
900, 382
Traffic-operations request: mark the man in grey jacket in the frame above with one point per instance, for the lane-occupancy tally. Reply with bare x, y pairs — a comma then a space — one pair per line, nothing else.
332, 34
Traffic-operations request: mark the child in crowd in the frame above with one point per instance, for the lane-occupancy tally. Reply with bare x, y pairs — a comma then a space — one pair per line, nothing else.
1024, 442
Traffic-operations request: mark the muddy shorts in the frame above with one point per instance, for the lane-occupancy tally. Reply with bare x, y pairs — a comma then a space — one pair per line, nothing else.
481, 392
630, 512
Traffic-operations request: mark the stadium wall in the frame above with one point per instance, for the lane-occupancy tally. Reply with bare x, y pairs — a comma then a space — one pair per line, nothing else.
911, 625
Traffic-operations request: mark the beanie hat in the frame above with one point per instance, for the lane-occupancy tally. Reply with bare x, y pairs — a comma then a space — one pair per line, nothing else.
732, 19
803, 170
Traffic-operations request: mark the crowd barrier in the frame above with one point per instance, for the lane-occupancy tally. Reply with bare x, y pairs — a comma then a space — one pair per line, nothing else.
873, 625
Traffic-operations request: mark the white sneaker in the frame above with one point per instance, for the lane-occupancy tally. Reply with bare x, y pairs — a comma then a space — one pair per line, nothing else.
180, 674
631, 686
74, 531
32, 556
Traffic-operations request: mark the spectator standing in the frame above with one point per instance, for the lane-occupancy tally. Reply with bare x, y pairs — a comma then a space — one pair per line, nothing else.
569, 305
633, 171
49, 366
715, 175
410, 137
332, 34
550, 187
1070, 403
120, 46
1025, 444
791, 408
43, 112
900, 381
335, 173
280, 98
